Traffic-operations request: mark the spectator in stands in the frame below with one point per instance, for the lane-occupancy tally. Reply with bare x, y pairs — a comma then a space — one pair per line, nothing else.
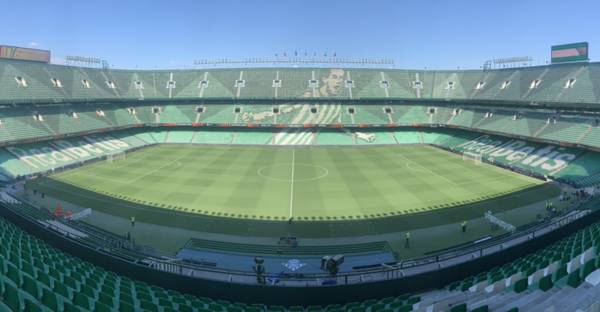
259, 269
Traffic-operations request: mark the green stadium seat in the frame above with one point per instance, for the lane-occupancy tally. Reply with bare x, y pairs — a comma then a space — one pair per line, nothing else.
481, 309
459, 308
106, 299
148, 305
30, 286
574, 278
49, 299
14, 275
68, 307
520, 285
82, 300
62, 290
126, 307
334, 307
11, 297
545, 283
31, 306
184, 308
100, 307
128, 299
404, 308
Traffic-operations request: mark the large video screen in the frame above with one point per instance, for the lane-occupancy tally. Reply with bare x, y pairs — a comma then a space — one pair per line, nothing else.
572, 52
25, 54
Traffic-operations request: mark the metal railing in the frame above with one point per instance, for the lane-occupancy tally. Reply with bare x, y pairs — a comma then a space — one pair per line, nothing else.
125, 249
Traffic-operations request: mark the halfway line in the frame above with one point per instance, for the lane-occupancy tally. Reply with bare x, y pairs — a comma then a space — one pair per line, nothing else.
292, 182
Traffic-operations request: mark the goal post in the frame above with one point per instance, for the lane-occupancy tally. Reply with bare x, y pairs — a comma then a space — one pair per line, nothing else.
474, 157
115, 156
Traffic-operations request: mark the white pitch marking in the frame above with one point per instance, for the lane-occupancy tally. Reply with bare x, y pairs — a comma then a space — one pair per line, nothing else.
292, 182
425, 169
174, 161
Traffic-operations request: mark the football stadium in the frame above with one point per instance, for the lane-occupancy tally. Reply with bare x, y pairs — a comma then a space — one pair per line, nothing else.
299, 184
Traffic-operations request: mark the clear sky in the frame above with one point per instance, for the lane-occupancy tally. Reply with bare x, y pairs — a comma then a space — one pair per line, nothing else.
416, 34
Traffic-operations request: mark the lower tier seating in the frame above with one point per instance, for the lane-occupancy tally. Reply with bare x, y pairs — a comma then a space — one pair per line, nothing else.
37, 277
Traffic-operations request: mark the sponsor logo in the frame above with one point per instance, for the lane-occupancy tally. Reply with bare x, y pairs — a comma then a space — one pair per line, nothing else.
61, 152
293, 265
546, 158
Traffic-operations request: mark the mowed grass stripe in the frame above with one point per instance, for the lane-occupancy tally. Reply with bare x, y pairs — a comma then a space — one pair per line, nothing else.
422, 180
307, 182
387, 168
329, 184
361, 188
247, 193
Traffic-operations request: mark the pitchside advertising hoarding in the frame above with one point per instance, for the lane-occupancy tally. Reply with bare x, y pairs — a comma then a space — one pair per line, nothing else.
572, 52
25, 54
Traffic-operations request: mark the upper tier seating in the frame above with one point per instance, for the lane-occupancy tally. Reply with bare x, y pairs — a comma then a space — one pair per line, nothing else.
259, 83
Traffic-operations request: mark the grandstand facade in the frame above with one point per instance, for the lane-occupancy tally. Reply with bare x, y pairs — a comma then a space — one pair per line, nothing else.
540, 121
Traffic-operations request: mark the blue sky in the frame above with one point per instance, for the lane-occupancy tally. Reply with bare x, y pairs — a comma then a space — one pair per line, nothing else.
416, 34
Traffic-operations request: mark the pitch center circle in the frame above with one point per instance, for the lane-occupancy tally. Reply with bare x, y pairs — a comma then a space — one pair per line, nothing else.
283, 172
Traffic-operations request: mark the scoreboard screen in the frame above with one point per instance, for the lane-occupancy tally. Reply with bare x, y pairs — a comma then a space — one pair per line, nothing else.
572, 52
25, 54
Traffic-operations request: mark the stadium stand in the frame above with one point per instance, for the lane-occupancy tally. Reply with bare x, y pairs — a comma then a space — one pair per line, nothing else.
178, 136
334, 138
37, 277
258, 114
208, 136
213, 137
410, 115
46, 121
55, 116
375, 137
591, 136
253, 137
258, 83
564, 263
368, 114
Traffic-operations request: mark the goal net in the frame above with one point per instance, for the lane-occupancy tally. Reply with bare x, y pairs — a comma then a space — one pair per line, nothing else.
474, 157
115, 156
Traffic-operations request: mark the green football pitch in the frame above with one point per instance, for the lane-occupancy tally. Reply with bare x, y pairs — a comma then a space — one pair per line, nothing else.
307, 184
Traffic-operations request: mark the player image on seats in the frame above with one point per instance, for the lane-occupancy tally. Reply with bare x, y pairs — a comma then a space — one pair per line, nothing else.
329, 85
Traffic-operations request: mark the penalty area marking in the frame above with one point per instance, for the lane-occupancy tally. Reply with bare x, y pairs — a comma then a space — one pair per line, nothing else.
409, 167
101, 177
425, 169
